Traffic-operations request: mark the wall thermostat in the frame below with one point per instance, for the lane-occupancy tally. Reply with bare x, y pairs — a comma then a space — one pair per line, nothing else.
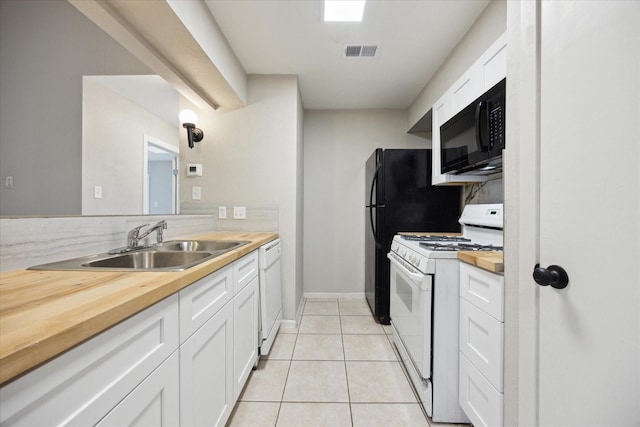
194, 169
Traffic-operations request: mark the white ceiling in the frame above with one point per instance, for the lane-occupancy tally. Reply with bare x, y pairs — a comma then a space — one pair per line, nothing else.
290, 37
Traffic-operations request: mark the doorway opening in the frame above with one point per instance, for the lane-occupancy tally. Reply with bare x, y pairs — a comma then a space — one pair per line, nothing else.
160, 192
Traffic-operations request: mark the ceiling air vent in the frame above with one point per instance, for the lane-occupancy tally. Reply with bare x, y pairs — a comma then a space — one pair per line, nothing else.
360, 51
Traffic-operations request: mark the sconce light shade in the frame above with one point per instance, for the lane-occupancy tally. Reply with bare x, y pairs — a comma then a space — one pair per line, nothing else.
189, 119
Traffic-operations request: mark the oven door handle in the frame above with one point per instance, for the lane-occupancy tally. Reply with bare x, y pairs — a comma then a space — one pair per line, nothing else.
416, 276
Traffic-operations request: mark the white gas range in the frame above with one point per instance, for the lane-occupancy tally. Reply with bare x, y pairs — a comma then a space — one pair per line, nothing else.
424, 305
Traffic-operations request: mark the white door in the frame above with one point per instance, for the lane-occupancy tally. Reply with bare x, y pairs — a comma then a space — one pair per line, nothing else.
589, 332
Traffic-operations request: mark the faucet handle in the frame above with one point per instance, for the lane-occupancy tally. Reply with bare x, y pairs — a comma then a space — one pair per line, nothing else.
136, 230
132, 236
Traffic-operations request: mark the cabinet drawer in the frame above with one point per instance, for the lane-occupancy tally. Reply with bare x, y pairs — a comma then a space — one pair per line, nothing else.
482, 403
82, 385
245, 269
202, 299
481, 340
483, 289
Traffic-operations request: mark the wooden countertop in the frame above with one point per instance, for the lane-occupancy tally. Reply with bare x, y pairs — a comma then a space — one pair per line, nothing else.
44, 313
489, 260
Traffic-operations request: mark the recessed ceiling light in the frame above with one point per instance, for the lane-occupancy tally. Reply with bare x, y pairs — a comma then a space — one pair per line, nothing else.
343, 10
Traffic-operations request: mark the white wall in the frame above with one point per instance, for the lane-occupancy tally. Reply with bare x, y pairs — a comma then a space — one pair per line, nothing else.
113, 150
337, 144
250, 157
45, 49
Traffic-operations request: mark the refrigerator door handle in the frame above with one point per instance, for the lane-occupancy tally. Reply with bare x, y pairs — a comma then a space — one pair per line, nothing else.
372, 206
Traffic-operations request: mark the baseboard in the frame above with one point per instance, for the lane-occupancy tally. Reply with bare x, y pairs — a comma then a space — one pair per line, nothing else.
292, 324
316, 295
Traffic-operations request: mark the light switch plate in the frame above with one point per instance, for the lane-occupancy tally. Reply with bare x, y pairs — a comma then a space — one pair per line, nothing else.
195, 193
239, 212
222, 212
97, 192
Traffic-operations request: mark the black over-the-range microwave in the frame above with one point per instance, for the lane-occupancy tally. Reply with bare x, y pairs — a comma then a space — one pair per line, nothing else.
471, 142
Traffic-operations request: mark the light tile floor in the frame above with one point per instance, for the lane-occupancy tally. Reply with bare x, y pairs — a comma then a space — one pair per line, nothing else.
338, 368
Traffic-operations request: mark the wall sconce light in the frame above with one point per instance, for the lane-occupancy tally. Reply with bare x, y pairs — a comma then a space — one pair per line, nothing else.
189, 119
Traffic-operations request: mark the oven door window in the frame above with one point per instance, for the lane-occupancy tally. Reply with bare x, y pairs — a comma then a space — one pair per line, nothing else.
411, 315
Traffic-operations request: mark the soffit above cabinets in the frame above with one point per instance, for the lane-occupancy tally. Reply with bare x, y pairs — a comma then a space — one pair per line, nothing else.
153, 32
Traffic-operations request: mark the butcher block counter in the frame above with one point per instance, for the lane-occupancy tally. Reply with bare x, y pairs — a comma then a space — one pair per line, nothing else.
492, 261
44, 313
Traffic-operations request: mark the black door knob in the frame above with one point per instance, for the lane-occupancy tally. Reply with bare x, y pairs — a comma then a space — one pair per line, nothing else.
553, 275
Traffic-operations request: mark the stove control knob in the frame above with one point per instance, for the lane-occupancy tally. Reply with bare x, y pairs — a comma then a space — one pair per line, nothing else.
554, 275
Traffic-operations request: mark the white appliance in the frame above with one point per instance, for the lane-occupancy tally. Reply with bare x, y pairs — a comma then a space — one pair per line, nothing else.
424, 304
270, 294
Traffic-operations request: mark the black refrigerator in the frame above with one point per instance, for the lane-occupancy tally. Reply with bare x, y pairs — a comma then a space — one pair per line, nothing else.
399, 197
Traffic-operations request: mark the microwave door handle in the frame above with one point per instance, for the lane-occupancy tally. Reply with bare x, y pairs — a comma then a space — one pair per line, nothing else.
479, 144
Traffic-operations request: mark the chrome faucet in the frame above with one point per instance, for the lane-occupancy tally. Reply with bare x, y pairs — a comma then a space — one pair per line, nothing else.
160, 225
134, 236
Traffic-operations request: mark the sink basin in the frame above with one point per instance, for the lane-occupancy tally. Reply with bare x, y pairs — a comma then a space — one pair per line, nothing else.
176, 255
150, 260
200, 245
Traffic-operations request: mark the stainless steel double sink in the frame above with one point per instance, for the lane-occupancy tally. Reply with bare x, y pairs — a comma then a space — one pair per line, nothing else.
175, 255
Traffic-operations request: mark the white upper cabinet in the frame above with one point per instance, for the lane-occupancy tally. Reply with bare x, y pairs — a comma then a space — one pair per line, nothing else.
488, 70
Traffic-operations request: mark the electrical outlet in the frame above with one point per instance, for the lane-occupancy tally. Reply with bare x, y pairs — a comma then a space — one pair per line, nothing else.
97, 192
196, 193
239, 212
222, 212
8, 182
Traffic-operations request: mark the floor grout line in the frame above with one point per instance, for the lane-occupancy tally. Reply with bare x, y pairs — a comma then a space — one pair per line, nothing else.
290, 359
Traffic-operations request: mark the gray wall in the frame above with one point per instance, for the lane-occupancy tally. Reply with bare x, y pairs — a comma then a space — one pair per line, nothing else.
251, 157
337, 145
45, 49
114, 130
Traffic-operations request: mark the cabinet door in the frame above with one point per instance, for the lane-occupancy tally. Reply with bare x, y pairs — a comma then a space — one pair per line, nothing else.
492, 65
245, 334
206, 372
155, 402
466, 89
84, 384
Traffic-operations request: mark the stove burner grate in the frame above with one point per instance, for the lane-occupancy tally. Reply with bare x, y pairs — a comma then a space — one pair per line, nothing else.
460, 246
432, 238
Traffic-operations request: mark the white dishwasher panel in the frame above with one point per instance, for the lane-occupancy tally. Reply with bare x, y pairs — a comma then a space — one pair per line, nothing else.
270, 294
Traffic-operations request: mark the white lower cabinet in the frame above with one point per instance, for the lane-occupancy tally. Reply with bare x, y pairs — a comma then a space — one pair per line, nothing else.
155, 402
181, 362
206, 372
245, 331
481, 345
86, 383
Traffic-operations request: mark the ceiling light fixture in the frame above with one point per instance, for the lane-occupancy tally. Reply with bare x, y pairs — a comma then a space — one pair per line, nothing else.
343, 10
189, 119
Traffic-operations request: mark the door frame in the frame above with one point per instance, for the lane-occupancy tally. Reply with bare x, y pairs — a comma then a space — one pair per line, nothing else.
150, 140
522, 213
